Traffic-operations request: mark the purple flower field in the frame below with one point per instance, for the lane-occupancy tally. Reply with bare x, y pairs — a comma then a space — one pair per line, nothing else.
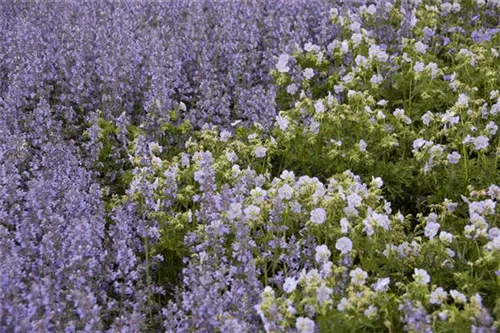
250, 166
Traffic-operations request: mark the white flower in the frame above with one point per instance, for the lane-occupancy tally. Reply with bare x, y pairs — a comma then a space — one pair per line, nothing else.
421, 277
354, 200
231, 156
433, 68
378, 182
258, 194
454, 157
438, 296
260, 152
182, 106
252, 212
356, 38
481, 142
421, 47
225, 135
458, 296
343, 304
287, 175
445, 237
290, 285
463, 101
310, 47
282, 123
235, 211
282, 63
376, 79
400, 115
285, 192
323, 293
319, 107
344, 225
292, 89
492, 128
308, 73
431, 229
322, 254
304, 325
418, 67
381, 284
344, 245
358, 276
318, 216
362, 145
371, 311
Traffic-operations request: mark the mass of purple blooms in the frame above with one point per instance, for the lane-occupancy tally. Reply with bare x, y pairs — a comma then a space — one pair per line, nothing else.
133, 199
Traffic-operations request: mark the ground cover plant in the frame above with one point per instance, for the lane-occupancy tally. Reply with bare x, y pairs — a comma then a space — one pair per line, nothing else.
250, 166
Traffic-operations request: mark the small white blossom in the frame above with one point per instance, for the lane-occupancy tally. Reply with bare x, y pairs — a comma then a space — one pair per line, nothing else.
282, 63
445, 237
343, 304
438, 296
358, 276
252, 212
319, 107
292, 89
285, 192
290, 285
421, 47
381, 285
260, 152
454, 157
308, 73
322, 254
371, 311
304, 325
431, 229
421, 277
318, 216
458, 296
344, 245
418, 67
362, 145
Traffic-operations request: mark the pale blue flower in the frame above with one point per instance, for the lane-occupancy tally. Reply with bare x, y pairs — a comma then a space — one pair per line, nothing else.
344, 245
318, 215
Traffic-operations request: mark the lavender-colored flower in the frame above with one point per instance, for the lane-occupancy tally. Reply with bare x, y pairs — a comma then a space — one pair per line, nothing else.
421, 47
438, 296
358, 276
454, 157
344, 245
322, 254
260, 152
362, 146
481, 142
421, 277
319, 107
431, 229
304, 325
318, 216
290, 285
308, 73
285, 192
458, 296
282, 63
381, 285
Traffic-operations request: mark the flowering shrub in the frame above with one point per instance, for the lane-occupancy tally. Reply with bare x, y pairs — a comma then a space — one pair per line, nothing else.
346, 183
